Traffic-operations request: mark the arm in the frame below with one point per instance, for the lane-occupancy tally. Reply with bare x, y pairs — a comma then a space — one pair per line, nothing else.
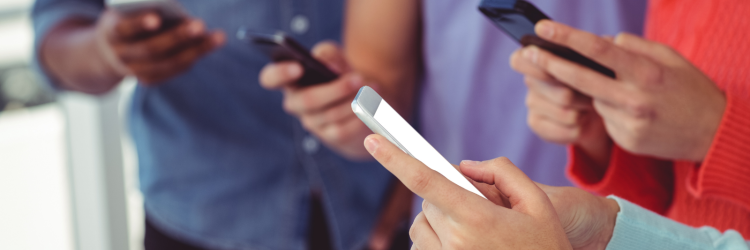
383, 42
645, 181
638, 228
91, 53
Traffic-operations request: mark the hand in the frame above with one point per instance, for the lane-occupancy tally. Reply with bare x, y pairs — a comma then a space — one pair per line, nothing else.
324, 109
562, 115
142, 46
454, 218
588, 220
660, 105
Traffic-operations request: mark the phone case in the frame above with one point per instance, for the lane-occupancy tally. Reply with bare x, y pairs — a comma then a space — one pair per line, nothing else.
280, 47
517, 19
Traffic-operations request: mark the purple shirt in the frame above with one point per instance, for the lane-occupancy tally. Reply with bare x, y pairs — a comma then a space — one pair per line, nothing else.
472, 103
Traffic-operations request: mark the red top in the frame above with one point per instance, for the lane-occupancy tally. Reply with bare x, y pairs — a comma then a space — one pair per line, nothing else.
715, 36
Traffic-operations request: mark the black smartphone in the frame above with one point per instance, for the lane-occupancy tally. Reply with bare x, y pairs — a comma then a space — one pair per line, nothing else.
517, 19
280, 47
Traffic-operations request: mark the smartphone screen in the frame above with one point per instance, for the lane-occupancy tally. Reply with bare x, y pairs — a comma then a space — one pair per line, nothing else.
380, 117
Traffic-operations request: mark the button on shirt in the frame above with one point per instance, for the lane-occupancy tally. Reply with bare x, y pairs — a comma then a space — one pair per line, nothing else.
221, 165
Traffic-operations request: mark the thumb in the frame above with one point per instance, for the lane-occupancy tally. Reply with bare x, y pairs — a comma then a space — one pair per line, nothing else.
523, 194
332, 56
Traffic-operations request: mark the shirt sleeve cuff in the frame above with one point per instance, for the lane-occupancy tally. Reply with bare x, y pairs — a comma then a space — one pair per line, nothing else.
638, 228
724, 171
646, 181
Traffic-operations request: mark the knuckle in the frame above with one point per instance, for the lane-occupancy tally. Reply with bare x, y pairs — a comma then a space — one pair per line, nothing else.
413, 232
289, 106
420, 181
651, 74
599, 47
565, 97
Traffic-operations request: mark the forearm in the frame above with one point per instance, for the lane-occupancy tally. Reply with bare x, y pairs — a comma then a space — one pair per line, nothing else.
638, 228
72, 56
382, 41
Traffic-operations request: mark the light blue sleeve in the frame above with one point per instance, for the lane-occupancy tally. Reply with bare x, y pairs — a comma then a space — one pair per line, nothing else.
639, 228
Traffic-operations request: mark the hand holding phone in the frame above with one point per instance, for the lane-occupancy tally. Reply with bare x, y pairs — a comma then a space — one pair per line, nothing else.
517, 19
153, 40
279, 48
382, 119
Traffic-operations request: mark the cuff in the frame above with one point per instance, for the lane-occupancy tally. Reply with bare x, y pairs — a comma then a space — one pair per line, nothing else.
725, 170
638, 228
646, 181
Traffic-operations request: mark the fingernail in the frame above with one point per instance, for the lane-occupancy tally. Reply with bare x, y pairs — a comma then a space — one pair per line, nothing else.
150, 22
545, 30
356, 81
531, 53
294, 70
371, 145
469, 163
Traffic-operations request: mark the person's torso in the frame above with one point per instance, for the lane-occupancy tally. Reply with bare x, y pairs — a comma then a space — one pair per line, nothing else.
223, 166
472, 104
713, 36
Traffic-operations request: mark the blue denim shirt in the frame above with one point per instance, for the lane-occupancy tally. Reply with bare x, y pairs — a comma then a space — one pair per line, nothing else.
221, 165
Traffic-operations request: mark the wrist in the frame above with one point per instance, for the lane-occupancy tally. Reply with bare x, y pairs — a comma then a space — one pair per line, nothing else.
611, 209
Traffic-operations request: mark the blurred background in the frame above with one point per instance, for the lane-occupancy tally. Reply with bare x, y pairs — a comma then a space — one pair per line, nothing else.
67, 170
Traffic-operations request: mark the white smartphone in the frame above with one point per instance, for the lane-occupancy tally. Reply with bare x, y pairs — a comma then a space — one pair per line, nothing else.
382, 119
170, 10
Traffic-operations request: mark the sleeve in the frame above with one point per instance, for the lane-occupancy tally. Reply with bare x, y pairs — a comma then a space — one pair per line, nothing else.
645, 181
638, 228
46, 14
725, 171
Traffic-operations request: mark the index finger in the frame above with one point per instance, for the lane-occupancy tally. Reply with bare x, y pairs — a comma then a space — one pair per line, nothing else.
587, 44
420, 179
280, 74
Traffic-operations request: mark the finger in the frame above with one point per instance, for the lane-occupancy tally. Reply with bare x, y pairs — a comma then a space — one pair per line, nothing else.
159, 71
420, 179
331, 55
653, 50
578, 77
164, 44
587, 44
552, 131
563, 116
280, 74
524, 195
128, 28
558, 93
422, 235
332, 115
317, 98
528, 68
436, 218
341, 131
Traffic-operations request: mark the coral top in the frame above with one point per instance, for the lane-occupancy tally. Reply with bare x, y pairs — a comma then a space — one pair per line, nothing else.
715, 36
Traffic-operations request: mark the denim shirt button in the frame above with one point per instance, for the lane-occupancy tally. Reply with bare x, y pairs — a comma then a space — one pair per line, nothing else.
310, 144
300, 24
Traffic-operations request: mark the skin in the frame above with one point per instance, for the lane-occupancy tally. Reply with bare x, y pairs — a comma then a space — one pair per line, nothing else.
382, 53
660, 105
534, 216
93, 56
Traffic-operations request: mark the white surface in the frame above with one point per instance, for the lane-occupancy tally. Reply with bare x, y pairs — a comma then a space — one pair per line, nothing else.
16, 40
418, 147
34, 193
